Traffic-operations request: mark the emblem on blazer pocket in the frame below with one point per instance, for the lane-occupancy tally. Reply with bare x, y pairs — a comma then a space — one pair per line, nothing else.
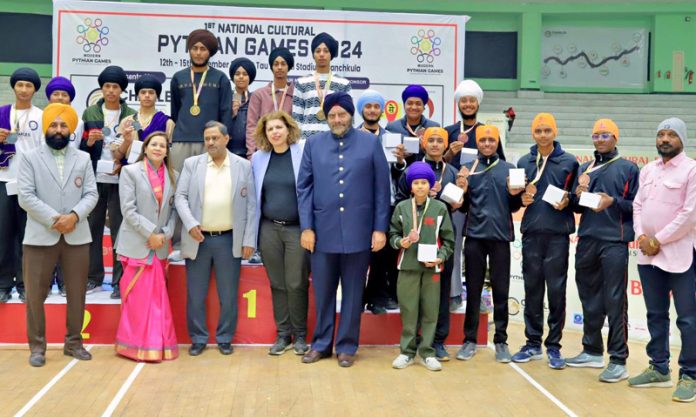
78, 182
243, 192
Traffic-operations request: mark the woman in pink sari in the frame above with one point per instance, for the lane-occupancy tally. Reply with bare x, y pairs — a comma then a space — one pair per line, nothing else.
146, 188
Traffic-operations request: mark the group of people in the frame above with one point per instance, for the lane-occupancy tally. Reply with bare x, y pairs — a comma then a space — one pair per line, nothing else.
318, 193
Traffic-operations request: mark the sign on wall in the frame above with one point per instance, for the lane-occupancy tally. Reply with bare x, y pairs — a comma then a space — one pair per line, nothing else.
594, 57
383, 51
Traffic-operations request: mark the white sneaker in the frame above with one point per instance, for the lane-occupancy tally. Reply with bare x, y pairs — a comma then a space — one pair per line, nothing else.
175, 256
431, 363
402, 361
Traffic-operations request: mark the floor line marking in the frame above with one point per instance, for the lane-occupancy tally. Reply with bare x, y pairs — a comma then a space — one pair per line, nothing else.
122, 392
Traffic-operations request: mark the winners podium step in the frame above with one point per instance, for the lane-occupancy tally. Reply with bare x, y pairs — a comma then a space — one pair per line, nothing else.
255, 322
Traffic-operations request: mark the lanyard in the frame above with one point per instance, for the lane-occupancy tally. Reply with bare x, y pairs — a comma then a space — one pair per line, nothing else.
593, 168
114, 121
461, 128
473, 168
275, 100
442, 171
415, 214
415, 134
322, 93
197, 90
540, 171
16, 124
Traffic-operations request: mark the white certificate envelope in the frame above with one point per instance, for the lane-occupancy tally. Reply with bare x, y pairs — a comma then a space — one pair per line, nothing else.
467, 155
517, 178
11, 187
451, 194
135, 149
411, 145
391, 140
553, 195
105, 167
590, 200
390, 156
427, 253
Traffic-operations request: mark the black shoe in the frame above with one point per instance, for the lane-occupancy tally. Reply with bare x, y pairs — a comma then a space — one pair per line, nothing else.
281, 345
300, 346
37, 359
376, 309
225, 348
93, 287
116, 293
79, 353
196, 349
5, 296
22, 295
392, 304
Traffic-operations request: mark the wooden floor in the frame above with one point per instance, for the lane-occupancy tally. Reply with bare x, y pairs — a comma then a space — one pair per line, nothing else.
251, 383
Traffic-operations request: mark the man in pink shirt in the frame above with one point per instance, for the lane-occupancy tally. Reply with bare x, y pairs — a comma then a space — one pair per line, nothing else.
664, 217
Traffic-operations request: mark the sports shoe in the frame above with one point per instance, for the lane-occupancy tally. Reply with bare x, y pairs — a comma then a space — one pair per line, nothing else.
431, 363
556, 360
441, 353
391, 304
614, 373
377, 309
93, 287
300, 346
527, 353
281, 345
686, 390
175, 256
455, 304
585, 360
650, 378
255, 258
502, 353
467, 351
402, 361
5, 296
115, 293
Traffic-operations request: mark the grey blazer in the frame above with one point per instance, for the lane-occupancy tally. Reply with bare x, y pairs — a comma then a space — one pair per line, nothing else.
44, 196
142, 215
189, 202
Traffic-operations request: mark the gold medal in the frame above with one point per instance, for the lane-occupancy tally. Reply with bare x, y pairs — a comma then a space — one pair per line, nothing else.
584, 180
321, 116
195, 110
413, 237
530, 189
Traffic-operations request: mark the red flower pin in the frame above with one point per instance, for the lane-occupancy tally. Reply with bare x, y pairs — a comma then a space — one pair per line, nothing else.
429, 221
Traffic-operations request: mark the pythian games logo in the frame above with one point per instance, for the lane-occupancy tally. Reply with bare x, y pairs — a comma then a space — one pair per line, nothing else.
92, 36
425, 47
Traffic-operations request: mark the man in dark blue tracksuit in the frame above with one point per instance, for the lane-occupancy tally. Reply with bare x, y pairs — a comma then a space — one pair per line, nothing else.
489, 205
545, 241
601, 258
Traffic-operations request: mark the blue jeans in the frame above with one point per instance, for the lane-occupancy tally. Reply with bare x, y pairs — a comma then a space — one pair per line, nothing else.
657, 285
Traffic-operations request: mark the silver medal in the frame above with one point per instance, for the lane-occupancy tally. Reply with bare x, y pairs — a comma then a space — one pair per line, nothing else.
106, 131
12, 138
136, 125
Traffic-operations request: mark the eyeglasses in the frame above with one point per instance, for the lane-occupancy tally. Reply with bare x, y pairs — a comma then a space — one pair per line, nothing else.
602, 136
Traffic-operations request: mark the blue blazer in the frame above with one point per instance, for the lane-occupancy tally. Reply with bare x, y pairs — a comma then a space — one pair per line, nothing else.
343, 190
259, 165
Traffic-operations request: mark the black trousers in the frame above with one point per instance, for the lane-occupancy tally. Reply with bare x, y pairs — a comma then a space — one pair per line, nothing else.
601, 274
544, 267
13, 220
108, 199
443, 316
382, 277
478, 253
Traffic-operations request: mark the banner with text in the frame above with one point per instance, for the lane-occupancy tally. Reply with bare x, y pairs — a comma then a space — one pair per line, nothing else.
383, 51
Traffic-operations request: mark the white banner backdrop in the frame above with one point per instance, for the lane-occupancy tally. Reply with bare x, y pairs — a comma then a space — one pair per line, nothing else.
384, 51
594, 57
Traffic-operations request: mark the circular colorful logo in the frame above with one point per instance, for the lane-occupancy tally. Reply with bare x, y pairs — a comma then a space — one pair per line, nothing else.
425, 46
92, 35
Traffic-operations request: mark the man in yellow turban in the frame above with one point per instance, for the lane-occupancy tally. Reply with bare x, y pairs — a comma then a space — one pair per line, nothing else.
57, 189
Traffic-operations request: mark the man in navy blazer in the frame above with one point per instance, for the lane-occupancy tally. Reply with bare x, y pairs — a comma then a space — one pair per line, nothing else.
343, 196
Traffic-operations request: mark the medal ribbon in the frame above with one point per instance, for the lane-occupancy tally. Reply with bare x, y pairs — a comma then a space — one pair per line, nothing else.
593, 168
15, 118
415, 214
275, 100
461, 127
197, 90
442, 171
473, 168
540, 171
322, 93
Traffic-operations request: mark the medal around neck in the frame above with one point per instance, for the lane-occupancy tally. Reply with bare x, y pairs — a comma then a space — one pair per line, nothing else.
195, 110
413, 236
584, 180
136, 125
531, 189
320, 115
106, 131
12, 138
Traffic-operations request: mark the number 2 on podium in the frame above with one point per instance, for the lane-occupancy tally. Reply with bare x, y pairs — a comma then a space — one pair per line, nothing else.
251, 303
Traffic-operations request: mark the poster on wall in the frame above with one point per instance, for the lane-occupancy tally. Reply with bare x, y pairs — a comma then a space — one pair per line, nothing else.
594, 57
383, 51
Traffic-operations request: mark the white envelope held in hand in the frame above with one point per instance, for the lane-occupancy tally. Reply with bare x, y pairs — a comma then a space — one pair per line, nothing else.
590, 200
427, 253
391, 140
467, 155
135, 149
11, 187
105, 167
553, 195
390, 156
517, 178
412, 145
451, 194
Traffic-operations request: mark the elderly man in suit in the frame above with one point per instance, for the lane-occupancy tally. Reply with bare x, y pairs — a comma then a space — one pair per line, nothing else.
343, 195
57, 189
216, 201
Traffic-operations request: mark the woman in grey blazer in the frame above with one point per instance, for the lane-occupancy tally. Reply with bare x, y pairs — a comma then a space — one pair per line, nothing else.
146, 329
275, 166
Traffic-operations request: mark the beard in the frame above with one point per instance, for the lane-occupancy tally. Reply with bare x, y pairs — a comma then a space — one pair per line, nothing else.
57, 141
468, 117
668, 152
193, 63
371, 121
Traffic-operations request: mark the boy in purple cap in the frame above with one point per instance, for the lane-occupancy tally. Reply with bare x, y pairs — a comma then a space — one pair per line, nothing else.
61, 90
421, 228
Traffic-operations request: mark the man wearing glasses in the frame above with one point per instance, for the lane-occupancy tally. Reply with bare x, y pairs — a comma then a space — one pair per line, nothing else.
601, 258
